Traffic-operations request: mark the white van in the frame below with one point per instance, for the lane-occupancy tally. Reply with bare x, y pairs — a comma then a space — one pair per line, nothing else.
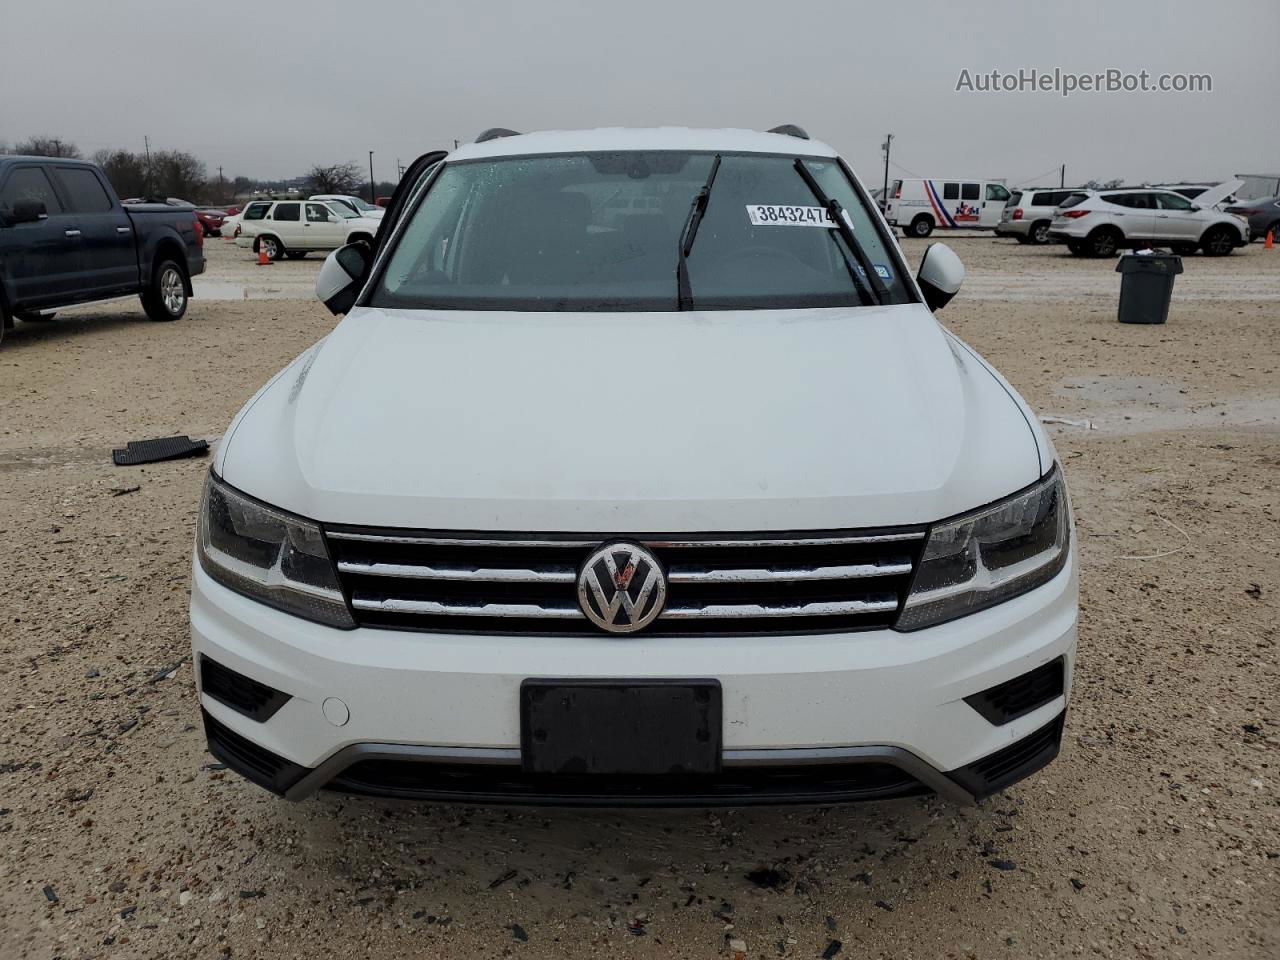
918, 206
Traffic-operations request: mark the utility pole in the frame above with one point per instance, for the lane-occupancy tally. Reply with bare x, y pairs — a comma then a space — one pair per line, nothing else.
1062, 176
222, 190
455, 144
372, 189
884, 196
146, 145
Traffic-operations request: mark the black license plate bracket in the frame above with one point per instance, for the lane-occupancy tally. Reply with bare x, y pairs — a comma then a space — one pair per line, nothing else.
621, 727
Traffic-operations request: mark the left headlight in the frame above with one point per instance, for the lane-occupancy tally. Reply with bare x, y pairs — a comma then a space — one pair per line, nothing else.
268, 555
991, 555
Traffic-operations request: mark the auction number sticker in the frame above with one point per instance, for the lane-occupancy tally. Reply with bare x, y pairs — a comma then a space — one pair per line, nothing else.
779, 215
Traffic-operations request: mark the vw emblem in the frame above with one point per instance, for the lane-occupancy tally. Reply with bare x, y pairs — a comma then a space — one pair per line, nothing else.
621, 588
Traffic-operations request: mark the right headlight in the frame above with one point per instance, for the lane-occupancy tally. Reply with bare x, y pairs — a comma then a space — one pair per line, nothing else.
269, 555
991, 555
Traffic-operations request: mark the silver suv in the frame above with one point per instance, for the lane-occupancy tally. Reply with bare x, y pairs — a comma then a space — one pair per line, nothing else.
1029, 212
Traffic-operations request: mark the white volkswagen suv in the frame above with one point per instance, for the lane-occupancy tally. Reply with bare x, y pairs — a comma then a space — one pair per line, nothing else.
699, 505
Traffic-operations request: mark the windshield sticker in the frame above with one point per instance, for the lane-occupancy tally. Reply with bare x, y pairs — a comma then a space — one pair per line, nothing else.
881, 271
779, 215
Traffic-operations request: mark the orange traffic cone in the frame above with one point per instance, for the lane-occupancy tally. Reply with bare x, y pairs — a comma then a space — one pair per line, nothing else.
263, 259
1269, 241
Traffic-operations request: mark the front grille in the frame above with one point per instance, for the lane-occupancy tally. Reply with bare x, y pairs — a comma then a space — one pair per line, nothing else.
751, 584
491, 783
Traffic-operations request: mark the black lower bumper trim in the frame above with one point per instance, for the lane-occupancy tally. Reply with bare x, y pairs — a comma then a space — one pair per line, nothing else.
507, 784
1015, 762
256, 764
487, 776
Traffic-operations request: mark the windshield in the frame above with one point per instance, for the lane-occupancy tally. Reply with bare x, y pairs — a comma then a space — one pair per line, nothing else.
602, 231
341, 210
361, 205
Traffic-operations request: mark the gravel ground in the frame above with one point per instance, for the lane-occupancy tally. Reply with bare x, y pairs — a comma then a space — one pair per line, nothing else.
1156, 833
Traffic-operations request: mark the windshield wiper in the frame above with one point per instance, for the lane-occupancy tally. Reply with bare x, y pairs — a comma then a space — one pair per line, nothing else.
684, 295
868, 282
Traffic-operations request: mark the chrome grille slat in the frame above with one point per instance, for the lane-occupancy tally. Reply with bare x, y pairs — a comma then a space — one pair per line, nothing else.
886, 604
436, 608
558, 574
685, 574
788, 584
782, 541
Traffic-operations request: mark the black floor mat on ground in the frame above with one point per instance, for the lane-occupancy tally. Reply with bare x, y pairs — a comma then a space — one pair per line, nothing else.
153, 451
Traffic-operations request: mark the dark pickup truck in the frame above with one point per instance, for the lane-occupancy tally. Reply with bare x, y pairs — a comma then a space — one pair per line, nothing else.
65, 238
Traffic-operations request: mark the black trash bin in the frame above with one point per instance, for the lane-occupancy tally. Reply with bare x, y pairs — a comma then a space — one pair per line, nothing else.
1146, 286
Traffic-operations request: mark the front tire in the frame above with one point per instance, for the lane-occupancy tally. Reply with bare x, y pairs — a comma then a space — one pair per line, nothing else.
920, 227
165, 298
272, 245
1217, 242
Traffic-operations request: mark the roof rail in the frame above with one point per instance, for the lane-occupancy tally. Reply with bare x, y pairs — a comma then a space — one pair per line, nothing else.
789, 130
493, 133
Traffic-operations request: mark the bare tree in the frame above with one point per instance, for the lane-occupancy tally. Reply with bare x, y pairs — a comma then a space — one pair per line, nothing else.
176, 173
47, 146
335, 178
126, 170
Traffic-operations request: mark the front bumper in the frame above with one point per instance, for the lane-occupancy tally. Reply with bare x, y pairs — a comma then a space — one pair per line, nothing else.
810, 719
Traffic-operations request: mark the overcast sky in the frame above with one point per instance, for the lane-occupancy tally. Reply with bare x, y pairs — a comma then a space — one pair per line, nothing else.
269, 88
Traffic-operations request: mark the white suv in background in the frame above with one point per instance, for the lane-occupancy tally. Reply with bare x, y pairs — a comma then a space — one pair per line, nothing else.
294, 228
358, 206
1029, 213
1099, 223
697, 505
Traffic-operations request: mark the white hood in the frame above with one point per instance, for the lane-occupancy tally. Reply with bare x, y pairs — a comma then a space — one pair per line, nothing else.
1215, 195
634, 423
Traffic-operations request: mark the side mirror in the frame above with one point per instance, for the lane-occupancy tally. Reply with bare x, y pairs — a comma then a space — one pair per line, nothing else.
1196, 209
342, 275
940, 276
28, 211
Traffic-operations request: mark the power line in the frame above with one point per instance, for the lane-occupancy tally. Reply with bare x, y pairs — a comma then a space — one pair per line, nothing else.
894, 163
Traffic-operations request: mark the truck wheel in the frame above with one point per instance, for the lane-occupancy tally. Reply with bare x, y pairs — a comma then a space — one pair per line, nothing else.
921, 226
1218, 241
1039, 232
275, 249
1104, 242
165, 298
35, 316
